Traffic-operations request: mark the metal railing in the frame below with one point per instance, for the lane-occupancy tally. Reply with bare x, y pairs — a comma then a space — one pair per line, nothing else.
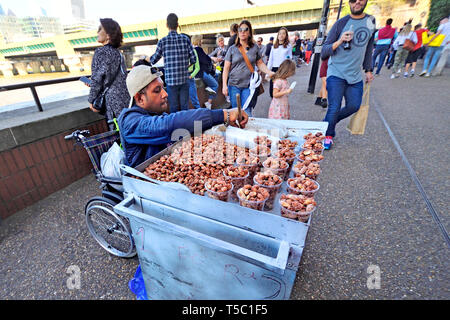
33, 85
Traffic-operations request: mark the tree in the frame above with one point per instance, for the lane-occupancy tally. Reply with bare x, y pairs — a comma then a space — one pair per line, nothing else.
439, 9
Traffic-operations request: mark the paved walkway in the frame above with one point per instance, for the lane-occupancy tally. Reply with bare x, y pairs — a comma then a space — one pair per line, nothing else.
371, 211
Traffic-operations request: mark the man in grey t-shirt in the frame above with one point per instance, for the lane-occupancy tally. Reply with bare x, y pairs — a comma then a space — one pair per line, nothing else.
344, 76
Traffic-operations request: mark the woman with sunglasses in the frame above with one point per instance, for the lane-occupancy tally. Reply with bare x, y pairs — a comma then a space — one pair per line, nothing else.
282, 50
109, 71
236, 73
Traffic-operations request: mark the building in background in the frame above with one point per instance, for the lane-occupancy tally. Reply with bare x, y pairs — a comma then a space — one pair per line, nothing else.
75, 17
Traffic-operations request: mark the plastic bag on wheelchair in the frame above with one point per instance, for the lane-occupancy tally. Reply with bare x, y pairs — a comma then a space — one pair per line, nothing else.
111, 160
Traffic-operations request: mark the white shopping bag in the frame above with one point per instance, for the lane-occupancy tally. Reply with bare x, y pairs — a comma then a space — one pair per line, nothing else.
111, 160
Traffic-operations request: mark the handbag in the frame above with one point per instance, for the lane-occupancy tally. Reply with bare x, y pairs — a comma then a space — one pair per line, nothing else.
100, 102
409, 44
250, 67
357, 124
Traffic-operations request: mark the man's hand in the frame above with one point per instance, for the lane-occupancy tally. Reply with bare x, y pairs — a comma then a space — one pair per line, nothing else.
234, 118
346, 36
225, 91
369, 77
93, 109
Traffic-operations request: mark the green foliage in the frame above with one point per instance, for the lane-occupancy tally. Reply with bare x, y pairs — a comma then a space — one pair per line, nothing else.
439, 9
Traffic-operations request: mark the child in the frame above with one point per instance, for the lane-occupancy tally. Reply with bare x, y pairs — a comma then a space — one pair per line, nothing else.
279, 108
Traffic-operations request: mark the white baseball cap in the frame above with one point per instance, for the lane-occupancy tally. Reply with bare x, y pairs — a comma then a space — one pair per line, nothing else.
139, 77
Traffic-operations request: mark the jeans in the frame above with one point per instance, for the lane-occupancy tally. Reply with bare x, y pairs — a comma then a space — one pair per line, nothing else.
434, 52
381, 50
178, 97
193, 94
210, 82
244, 93
442, 60
337, 89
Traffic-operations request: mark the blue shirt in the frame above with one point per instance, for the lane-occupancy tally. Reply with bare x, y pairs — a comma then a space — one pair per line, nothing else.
144, 134
346, 64
178, 54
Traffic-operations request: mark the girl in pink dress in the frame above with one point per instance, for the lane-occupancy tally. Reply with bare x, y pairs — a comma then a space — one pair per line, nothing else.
279, 108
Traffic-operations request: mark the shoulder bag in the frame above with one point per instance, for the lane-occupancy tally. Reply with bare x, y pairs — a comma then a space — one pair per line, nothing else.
250, 67
409, 44
100, 102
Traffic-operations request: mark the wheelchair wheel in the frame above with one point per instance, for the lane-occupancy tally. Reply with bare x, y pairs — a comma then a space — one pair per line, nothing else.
110, 230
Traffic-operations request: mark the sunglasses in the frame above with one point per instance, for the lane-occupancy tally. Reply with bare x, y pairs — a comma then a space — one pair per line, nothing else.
352, 1
243, 29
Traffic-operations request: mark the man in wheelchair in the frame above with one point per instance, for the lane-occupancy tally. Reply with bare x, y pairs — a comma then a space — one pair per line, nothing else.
146, 127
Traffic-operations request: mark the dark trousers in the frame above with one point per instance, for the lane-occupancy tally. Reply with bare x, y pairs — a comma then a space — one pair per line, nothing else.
178, 97
274, 69
380, 50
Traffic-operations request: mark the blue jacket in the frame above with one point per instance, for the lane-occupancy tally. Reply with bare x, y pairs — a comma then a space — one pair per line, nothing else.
144, 134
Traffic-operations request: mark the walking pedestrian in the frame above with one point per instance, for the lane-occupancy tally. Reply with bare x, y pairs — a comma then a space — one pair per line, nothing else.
233, 34
207, 70
268, 50
435, 47
323, 94
281, 51
236, 73
109, 71
445, 51
347, 52
413, 56
402, 52
193, 69
178, 54
297, 49
309, 50
279, 107
383, 39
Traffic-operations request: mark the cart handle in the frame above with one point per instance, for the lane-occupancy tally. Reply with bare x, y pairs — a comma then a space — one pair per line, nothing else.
277, 265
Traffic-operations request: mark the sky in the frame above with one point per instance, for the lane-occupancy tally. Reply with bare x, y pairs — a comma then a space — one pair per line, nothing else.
131, 11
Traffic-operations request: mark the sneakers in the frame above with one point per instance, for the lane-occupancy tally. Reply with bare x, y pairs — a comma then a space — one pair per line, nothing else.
423, 73
324, 103
328, 142
210, 90
394, 75
405, 75
318, 101
427, 75
208, 105
412, 73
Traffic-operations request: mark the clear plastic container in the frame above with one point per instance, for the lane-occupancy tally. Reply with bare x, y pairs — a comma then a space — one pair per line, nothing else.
273, 190
262, 153
279, 172
238, 182
297, 173
256, 205
302, 216
300, 160
306, 193
221, 196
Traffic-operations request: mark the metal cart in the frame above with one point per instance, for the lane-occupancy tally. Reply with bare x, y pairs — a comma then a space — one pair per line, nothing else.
195, 247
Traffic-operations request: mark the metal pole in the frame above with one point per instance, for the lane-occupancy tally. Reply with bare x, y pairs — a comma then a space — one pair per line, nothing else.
339, 11
318, 47
36, 98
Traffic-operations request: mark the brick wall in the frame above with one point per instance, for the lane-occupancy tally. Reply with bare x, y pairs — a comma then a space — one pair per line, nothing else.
31, 172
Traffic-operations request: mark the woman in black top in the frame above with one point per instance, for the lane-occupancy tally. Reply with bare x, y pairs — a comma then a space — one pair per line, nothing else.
109, 70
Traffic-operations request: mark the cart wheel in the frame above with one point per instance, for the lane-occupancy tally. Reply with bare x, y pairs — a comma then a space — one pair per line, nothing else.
110, 230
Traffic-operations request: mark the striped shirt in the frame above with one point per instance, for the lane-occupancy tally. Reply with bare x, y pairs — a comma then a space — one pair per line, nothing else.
178, 54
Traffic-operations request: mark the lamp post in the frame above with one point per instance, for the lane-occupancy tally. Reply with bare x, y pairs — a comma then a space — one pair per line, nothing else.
318, 47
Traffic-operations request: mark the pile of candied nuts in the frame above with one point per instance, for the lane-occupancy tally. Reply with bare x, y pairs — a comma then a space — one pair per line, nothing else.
319, 136
286, 143
275, 163
310, 155
219, 188
302, 184
252, 196
272, 182
313, 144
194, 161
295, 206
263, 141
306, 169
